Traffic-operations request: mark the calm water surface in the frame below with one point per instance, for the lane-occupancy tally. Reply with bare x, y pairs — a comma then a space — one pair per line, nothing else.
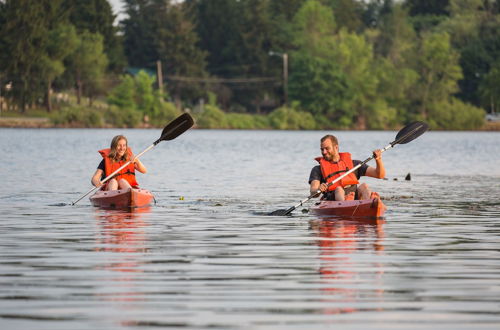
207, 256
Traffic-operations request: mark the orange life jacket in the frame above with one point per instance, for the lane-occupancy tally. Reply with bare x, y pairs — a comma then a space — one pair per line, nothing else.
331, 171
127, 173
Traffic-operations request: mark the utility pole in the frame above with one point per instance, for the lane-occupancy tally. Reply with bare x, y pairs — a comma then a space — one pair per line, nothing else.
285, 78
284, 56
159, 76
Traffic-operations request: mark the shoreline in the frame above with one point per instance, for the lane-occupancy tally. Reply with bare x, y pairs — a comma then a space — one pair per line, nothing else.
40, 122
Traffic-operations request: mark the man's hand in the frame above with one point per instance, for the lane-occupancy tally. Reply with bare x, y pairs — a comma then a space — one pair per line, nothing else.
323, 187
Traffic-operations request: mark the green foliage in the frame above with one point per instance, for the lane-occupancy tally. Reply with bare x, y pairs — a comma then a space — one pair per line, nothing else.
28, 55
489, 89
246, 121
87, 65
352, 64
212, 117
96, 16
123, 95
320, 86
144, 94
160, 30
123, 117
135, 99
291, 119
77, 117
438, 69
164, 112
477, 57
348, 13
314, 28
455, 114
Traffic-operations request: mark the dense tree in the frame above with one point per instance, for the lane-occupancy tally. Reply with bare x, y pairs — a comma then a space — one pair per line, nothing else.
320, 86
489, 89
428, 7
218, 27
426, 14
62, 41
477, 58
160, 30
87, 65
352, 63
282, 13
238, 36
438, 69
96, 16
348, 14
140, 33
29, 58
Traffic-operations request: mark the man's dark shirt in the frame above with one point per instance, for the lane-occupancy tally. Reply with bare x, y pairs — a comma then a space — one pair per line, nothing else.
101, 167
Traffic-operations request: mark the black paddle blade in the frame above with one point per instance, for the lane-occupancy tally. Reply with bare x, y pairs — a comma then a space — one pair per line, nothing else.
176, 127
282, 212
410, 132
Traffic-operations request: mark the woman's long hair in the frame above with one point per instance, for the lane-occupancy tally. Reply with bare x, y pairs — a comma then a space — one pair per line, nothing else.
113, 154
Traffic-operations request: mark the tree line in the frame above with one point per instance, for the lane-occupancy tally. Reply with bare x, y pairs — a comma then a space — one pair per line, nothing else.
317, 63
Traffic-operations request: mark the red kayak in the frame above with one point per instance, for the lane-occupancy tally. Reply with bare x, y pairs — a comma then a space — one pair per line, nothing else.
353, 208
122, 199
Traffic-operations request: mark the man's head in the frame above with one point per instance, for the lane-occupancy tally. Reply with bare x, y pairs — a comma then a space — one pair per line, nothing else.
330, 148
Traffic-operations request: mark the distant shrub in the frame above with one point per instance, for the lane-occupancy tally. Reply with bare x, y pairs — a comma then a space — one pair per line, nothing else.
123, 95
382, 116
292, 119
455, 115
212, 117
77, 117
138, 101
123, 117
246, 121
164, 113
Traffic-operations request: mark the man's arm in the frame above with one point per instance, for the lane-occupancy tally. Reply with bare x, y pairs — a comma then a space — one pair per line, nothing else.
379, 171
315, 179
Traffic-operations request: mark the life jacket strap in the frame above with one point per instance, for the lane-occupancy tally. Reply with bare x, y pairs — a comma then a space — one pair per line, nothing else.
335, 173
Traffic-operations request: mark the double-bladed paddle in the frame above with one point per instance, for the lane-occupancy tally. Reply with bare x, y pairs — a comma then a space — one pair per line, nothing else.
407, 134
175, 128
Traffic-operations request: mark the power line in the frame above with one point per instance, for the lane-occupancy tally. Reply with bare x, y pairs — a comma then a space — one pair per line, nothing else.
223, 80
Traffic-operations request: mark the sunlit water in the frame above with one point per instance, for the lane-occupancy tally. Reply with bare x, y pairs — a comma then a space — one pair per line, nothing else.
207, 256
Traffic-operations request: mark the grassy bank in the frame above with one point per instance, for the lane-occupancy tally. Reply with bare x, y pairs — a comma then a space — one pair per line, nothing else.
234, 121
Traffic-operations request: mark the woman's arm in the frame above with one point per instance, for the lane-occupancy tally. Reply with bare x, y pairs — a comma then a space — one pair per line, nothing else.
96, 178
139, 166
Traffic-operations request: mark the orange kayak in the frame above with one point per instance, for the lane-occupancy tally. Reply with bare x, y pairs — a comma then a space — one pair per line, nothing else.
353, 208
121, 199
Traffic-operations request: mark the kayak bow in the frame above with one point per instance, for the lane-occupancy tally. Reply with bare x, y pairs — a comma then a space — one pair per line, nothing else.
122, 199
353, 208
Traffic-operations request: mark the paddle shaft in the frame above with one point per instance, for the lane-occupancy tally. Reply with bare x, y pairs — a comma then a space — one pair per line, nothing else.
391, 145
118, 170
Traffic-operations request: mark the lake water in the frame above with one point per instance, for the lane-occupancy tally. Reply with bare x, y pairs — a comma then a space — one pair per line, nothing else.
207, 256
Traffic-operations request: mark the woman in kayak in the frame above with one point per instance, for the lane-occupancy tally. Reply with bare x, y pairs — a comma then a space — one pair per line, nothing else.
334, 164
113, 158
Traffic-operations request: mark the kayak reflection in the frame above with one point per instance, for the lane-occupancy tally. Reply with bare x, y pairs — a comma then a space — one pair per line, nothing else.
120, 230
122, 241
345, 244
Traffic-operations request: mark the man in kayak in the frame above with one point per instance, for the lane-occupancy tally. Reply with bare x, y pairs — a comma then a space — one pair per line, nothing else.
113, 159
334, 164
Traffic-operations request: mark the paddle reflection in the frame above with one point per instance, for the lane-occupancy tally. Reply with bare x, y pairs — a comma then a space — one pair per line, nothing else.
350, 282
122, 234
